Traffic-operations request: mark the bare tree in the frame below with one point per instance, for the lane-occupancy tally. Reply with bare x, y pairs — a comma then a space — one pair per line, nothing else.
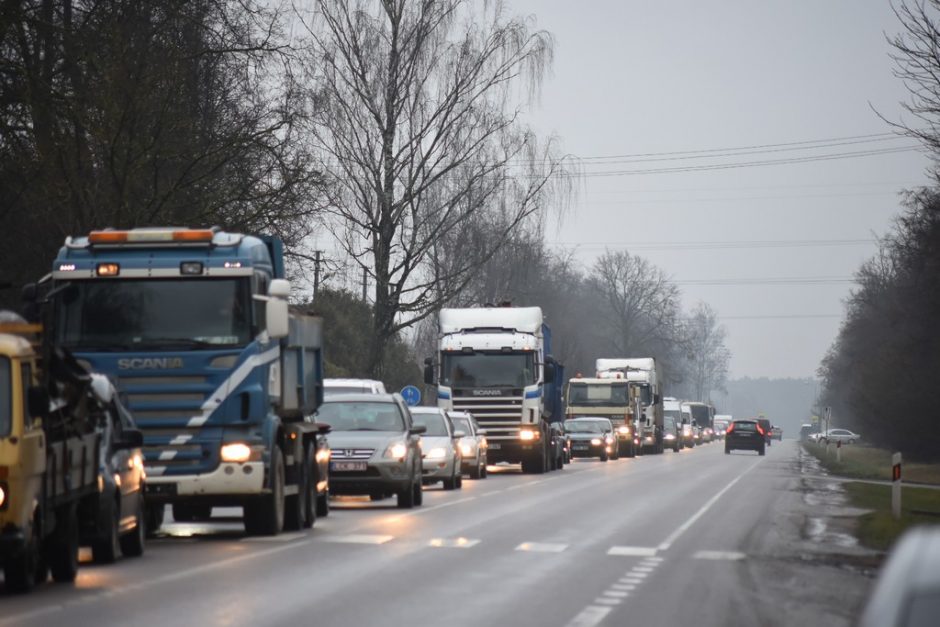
708, 356
422, 137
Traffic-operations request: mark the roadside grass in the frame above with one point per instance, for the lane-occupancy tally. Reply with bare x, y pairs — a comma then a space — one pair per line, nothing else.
878, 529
860, 461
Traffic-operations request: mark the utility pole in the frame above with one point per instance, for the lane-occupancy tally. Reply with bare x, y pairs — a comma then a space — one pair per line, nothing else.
365, 284
316, 272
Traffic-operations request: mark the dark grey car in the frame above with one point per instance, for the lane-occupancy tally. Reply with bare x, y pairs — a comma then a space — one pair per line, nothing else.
374, 447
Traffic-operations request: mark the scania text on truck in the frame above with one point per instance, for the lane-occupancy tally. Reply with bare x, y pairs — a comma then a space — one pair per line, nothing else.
609, 398
222, 377
644, 373
495, 362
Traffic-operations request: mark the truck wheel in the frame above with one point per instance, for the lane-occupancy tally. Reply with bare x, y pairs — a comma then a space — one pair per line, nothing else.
265, 516
132, 544
25, 570
63, 551
154, 518
311, 502
106, 548
296, 505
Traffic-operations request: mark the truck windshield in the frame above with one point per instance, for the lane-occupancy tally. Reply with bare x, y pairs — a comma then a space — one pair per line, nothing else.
6, 397
154, 314
488, 370
598, 394
700, 415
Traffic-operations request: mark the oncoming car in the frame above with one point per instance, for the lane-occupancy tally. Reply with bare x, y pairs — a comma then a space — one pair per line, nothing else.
472, 445
592, 437
374, 447
440, 455
335, 387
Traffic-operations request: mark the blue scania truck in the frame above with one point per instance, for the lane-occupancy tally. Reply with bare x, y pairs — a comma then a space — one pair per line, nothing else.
221, 374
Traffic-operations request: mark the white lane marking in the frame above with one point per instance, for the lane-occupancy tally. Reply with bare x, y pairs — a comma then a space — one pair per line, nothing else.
719, 555
542, 547
425, 510
642, 569
149, 584
453, 543
623, 586
589, 616
359, 538
639, 575
283, 537
701, 512
630, 579
653, 560
608, 601
632, 551
617, 594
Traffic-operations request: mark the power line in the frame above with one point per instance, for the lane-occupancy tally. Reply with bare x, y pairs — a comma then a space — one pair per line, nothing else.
768, 281
781, 317
719, 245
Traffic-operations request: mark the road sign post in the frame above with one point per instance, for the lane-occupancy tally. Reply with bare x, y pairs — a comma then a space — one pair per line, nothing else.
412, 395
896, 485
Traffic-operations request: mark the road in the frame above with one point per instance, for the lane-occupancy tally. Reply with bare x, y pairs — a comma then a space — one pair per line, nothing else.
694, 538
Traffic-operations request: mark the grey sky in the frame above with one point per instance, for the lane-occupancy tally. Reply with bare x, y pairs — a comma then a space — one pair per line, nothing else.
682, 75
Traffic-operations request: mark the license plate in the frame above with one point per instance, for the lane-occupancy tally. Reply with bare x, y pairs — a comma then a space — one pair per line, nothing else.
579, 447
495, 446
348, 466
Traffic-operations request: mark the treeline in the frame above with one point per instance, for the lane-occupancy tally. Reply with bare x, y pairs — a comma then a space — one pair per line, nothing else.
880, 375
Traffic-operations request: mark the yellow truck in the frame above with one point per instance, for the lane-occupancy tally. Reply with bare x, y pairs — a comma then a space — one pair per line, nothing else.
49, 447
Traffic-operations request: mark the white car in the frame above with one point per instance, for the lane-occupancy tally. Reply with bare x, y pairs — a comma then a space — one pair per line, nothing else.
838, 435
335, 387
472, 445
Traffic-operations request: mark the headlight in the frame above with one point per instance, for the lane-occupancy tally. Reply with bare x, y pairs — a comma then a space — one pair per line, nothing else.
466, 449
438, 452
596, 441
236, 452
669, 436
396, 450
527, 434
3, 495
624, 429
608, 439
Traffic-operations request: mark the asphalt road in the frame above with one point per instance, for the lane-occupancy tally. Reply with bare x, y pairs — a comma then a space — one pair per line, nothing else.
694, 538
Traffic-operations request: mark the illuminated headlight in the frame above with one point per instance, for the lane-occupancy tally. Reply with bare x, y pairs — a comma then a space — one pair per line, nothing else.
438, 452
527, 434
669, 436
623, 430
397, 450
3, 495
608, 439
236, 452
323, 455
596, 441
466, 449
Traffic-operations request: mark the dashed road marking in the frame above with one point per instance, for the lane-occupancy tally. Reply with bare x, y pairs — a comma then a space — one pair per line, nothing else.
617, 594
632, 551
719, 555
608, 601
453, 543
359, 538
541, 547
642, 569
589, 616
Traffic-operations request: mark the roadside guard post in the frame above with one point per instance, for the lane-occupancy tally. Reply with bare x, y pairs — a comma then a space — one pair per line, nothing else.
839, 451
896, 485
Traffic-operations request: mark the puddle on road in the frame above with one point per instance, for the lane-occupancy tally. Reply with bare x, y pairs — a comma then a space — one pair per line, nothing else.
818, 531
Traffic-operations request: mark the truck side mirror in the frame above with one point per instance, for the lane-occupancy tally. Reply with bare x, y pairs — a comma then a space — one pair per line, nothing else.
37, 398
276, 309
429, 371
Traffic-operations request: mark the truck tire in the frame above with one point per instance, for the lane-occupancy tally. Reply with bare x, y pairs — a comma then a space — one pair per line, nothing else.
312, 502
62, 556
265, 516
26, 569
132, 543
297, 505
107, 547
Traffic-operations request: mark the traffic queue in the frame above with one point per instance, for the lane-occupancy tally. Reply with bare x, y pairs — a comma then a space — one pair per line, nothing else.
117, 406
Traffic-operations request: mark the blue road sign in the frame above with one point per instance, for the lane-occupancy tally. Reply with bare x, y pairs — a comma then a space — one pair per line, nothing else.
411, 394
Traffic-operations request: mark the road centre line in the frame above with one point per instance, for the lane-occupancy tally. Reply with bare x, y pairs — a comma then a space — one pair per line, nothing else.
701, 512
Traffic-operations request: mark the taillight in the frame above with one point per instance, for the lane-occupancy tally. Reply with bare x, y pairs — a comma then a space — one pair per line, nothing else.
759, 430
729, 429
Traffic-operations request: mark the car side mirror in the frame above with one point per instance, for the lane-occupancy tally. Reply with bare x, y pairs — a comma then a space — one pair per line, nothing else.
459, 434
417, 429
323, 428
130, 438
37, 398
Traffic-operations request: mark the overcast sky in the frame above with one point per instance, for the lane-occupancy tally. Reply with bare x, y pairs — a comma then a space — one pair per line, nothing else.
684, 75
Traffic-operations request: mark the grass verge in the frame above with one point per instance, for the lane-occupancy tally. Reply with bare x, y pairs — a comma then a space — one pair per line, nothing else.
879, 529
867, 462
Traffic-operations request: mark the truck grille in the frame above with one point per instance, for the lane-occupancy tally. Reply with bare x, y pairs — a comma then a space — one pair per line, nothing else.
500, 415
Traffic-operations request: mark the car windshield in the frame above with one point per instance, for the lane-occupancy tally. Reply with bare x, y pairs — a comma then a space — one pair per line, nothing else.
146, 314
598, 394
669, 422
461, 424
488, 369
433, 421
361, 416
584, 426
745, 426
6, 397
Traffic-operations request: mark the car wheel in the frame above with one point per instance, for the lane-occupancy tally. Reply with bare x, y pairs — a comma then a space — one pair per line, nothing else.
406, 498
761, 451
107, 547
476, 471
132, 544
419, 493
323, 505
604, 457
483, 470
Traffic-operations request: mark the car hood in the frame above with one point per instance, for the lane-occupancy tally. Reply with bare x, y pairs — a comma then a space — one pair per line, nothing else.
431, 441
364, 439
585, 436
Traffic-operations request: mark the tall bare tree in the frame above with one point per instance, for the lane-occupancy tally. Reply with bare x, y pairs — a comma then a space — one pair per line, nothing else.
708, 356
421, 132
